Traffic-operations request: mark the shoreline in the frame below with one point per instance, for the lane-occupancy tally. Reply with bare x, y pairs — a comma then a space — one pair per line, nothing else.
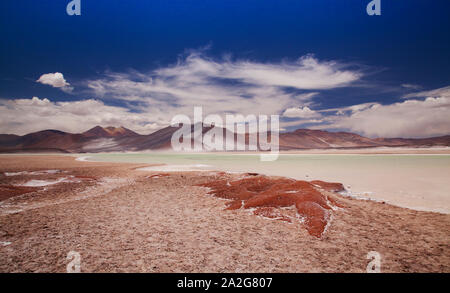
424, 193
437, 150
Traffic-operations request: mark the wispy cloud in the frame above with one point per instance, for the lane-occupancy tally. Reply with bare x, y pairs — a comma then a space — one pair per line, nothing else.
411, 86
149, 100
224, 86
307, 73
440, 92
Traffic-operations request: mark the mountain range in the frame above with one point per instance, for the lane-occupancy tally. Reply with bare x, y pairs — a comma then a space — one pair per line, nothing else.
113, 139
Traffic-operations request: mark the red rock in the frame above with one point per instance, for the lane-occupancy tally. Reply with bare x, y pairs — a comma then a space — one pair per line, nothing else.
329, 186
268, 194
234, 205
7, 191
252, 174
335, 202
316, 217
271, 213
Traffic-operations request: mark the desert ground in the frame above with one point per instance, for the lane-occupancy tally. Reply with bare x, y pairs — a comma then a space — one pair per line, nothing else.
122, 219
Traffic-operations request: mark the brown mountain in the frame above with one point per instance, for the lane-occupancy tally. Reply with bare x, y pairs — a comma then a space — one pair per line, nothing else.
54, 140
424, 142
99, 131
59, 141
8, 139
319, 139
110, 139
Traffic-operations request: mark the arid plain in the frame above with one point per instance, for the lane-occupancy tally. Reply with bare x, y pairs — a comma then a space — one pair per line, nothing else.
121, 219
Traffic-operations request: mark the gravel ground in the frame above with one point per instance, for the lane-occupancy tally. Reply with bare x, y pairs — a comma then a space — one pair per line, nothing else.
120, 220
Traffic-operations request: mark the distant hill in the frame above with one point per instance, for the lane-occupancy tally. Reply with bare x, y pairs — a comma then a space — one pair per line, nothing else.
320, 139
99, 132
110, 139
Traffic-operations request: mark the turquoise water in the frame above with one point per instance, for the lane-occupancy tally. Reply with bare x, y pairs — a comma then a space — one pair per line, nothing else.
415, 181
287, 164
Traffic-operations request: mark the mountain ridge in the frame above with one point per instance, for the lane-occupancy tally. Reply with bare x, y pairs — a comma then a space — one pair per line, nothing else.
109, 139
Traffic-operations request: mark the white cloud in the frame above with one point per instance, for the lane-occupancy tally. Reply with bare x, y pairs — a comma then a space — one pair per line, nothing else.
304, 112
427, 115
411, 118
411, 86
29, 115
306, 73
55, 80
150, 100
223, 86
306, 96
440, 92
350, 109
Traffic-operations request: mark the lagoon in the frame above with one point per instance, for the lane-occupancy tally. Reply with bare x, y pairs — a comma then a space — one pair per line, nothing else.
416, 181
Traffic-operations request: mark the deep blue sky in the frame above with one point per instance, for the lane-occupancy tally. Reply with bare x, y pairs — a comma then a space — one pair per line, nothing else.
409, 43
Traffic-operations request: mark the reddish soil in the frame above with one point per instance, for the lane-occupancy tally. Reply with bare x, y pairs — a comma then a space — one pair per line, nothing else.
7, 191
82, 177
329, 186
268, 194
271, 213
125, 222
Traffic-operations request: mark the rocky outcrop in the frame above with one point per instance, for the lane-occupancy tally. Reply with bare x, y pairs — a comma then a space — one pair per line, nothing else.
267, 196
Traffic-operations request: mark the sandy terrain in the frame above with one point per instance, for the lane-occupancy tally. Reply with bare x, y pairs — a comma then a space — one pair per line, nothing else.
121, 220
